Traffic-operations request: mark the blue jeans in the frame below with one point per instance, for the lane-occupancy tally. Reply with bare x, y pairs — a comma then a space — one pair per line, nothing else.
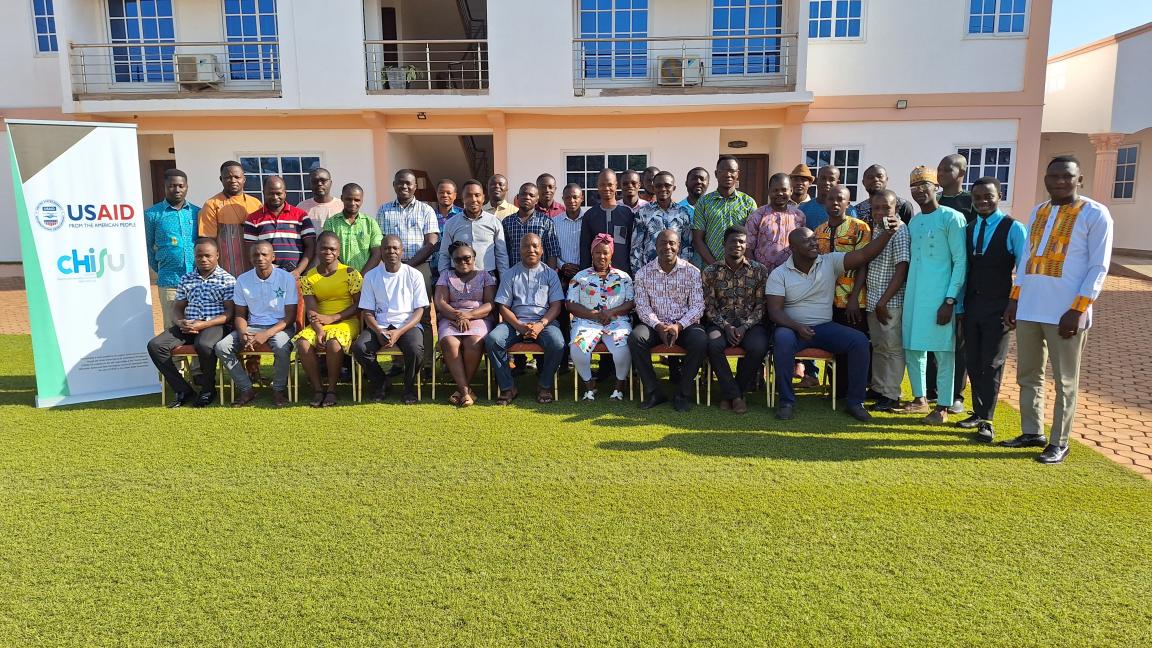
504, 336
833, 338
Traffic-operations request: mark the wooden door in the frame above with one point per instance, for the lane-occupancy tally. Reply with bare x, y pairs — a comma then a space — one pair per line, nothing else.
158, 168
754, 176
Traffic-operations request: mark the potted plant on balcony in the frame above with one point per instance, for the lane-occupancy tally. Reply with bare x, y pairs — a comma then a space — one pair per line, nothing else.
398, 77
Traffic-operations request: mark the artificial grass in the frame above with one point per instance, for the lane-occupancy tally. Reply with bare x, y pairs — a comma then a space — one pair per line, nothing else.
122, 523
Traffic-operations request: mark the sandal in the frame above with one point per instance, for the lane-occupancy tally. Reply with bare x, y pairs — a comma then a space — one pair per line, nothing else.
506, 397
318, 399
469, 399
455, 398
329, 399
245, 398
544, 396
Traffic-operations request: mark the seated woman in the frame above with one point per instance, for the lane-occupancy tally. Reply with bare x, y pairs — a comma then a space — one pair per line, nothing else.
331, 293
600, 299
463, 301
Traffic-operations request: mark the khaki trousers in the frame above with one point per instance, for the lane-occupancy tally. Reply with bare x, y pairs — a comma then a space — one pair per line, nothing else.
887, 353
1035, 344
167, 296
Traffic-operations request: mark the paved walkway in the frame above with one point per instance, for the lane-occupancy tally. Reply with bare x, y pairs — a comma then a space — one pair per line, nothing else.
1114, 413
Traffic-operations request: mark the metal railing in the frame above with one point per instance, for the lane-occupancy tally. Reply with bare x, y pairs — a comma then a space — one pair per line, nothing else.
685, 62
431, 65
182, 68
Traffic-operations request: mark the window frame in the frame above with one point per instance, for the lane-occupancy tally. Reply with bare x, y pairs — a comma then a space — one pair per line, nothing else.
259, 75
53, 38
167, 46
766, 54
856, 189
590, 190
1135, 174
969, 178
996, 33
590, 72
832, 37
305, 190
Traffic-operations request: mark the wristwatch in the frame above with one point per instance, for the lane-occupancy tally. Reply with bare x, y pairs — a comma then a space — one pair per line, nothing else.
951, 301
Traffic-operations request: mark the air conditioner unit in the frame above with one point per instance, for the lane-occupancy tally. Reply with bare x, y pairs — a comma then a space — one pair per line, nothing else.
679, 71
198, 70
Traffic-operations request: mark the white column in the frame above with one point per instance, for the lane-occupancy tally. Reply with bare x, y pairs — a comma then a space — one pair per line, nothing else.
1104, 174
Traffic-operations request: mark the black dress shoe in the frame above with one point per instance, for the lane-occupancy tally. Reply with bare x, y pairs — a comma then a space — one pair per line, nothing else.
204, 399
1053, 454
971, 423
873, 395
884, 404
859, 413
652, 401
984, 432
785, 411
681, 404
1026, 441
180, 399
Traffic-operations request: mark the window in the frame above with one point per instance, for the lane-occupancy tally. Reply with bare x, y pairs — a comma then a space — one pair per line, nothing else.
997, 16
145, 24
582, 168
744, 20
845, 159
293, 168
835, 18
992, 161
1125, 185
252, 21
45, 18
614, 19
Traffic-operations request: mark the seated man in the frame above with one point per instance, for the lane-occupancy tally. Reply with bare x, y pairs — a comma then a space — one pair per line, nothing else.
201, 310
393, 300
669, 303
529, 301
800, 295
265, 308
734, 306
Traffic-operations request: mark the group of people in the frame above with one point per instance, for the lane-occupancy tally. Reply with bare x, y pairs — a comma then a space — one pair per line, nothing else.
882, 285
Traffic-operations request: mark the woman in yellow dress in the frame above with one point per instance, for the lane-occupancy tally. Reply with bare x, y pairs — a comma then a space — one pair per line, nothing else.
331, 293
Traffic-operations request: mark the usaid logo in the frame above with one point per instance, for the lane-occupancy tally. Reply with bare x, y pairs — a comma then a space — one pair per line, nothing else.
49, 214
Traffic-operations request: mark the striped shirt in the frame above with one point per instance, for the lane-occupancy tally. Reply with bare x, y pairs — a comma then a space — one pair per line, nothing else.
205, 295
568, 235
411, 224
715, 213
286, 231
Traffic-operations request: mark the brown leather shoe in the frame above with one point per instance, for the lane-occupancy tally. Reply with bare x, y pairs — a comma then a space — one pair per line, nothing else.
739, 406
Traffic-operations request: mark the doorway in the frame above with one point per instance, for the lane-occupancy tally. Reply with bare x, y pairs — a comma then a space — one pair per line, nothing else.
754, 176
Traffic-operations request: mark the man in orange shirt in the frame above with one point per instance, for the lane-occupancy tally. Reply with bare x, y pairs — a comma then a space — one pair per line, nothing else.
222, 218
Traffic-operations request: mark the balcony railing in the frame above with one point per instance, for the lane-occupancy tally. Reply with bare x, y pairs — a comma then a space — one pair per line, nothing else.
447, 66
175, 70
685, 64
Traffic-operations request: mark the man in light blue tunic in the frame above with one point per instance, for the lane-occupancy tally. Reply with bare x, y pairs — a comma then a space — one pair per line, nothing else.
938, 265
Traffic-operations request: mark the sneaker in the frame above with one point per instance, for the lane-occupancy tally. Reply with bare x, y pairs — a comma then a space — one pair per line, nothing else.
590, 395
617, 395
985, 433
957, 407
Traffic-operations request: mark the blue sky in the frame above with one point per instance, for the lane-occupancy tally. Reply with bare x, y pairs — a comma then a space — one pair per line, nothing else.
1078, 22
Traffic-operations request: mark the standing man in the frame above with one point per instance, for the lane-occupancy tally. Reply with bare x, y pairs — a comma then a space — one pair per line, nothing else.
568, 228
843, 233
630, 191
951, 172
445, 208
769, 226
200, 312
481, 230
655, 217
359, 234
497, 191
801, 178
322, 205
528, 220
876, 181
222, 218
669, 305
719, 210
816, 211
995, 243
939, 264
696, 184
647, 191
1057, 280
170, 238
287, 228
548, 205
887, 274
734, 307
608, 217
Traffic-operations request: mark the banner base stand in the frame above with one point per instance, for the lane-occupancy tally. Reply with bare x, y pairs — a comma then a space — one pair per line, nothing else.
57, 401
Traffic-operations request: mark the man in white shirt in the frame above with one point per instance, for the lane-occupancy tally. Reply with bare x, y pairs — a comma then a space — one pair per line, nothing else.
265, 305
393, 300
1050, 306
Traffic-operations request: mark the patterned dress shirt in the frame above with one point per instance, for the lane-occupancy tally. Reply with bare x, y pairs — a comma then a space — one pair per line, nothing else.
881, 269
410, 223
851, 234
715, 213
735, 297
768, 232
170, 235
669, 297
515, 228
649, 222
205, 295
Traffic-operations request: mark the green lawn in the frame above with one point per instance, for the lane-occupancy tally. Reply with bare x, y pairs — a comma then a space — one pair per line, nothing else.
125, 524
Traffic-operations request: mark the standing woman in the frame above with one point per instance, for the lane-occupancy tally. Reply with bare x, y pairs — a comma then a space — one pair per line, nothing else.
463, 303
331, 293
600, 300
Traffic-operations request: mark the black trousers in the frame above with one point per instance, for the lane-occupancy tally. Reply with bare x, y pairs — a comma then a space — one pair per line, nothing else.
986, 348
411, 345
755, 345
160, 350
694, 341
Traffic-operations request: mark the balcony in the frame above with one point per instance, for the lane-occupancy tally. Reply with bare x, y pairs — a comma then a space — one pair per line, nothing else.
684, 65
177, 70
426, 67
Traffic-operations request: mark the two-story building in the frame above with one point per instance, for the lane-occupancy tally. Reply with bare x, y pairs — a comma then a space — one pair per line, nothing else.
460, 88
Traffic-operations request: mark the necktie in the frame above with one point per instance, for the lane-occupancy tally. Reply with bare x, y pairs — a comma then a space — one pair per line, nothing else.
980, 237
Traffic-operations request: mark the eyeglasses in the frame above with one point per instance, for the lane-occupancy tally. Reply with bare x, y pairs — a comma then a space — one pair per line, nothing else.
462, 259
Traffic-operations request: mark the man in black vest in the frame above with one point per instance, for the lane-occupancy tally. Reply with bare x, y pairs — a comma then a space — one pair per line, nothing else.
994, 241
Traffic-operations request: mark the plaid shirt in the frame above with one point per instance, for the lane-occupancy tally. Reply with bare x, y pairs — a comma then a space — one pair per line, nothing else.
735, 297
649, 222
669, 297
410, 223
881, 269
852, 234
205, 296
538, 224
715, 213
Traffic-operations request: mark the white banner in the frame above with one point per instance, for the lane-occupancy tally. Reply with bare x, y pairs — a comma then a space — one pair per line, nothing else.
81, 224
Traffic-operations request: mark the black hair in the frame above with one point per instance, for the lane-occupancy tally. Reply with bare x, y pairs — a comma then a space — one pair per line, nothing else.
351, 186
727, 158
989, 180
208, 240
733, 231
175, 173
229, 164
779, 177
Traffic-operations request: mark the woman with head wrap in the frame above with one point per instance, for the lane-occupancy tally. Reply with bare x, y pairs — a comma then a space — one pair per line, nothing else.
600, 300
